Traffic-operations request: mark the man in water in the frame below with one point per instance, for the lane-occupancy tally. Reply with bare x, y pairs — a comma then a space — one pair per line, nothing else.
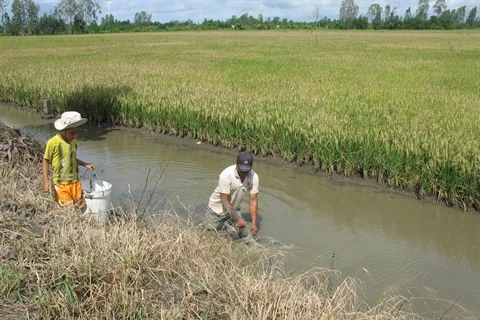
223, 212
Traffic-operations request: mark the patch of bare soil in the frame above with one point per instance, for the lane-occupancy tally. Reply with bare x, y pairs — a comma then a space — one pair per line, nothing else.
17, 149
15, 152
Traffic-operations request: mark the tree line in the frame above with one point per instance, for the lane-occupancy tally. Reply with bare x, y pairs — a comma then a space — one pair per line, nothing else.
82, 16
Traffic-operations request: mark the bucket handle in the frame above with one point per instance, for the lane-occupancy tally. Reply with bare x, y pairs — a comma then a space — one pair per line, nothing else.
95, 175
88, 195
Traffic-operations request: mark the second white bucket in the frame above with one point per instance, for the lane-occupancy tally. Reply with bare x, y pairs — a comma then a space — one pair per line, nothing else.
97, 195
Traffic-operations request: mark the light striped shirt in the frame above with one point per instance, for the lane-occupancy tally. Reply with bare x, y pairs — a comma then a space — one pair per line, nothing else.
229, 183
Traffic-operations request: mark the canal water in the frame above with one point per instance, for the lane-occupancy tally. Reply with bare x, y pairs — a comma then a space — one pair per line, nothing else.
391, 241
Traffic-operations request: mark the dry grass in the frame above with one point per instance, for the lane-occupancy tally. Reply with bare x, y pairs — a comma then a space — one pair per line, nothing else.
56, 264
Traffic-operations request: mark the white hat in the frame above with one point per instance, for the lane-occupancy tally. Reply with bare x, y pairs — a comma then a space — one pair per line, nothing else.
69, 119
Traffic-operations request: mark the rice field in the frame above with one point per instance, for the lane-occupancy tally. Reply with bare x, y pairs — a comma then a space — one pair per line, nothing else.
399, 107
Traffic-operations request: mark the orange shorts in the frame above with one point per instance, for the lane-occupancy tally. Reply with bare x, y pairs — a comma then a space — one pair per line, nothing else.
70, 194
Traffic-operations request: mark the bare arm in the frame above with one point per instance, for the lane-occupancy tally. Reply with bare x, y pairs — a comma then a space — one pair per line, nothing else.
46, 181
254, 211
228, 207
87, 165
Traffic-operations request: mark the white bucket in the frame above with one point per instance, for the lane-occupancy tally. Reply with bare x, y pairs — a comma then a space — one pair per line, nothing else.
97, 196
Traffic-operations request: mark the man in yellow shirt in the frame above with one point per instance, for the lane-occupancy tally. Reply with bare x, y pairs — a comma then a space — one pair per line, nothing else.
61, 155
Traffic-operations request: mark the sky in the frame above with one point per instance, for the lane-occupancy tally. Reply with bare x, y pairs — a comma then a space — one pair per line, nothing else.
197, 10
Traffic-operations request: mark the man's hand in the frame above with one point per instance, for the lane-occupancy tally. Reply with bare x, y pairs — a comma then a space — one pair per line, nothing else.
240, 223
90, 166
254, 229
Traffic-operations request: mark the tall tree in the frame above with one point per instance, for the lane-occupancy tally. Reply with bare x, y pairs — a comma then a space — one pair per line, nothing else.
408, 14
3, 11
32, 10
77, 12
393, 21
446, 19
67, 10
7, 23
439, 7
348, 12
260, 18
79, 24
470, 23
48, 24
375, 15
88, 10
19, 17
108, 20
386, 13
460, 15
246, 19
276, 21
316, 14
422, 10
143, 18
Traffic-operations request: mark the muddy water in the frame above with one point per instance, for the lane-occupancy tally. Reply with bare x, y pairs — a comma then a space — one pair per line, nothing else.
390, 241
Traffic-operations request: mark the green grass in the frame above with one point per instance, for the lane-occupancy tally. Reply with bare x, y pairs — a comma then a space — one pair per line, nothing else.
398, 107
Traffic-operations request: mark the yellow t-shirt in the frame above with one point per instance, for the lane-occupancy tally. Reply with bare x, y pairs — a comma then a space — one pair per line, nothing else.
63, 160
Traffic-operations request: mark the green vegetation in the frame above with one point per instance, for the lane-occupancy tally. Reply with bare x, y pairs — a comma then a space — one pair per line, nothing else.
398, 107
82, 16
